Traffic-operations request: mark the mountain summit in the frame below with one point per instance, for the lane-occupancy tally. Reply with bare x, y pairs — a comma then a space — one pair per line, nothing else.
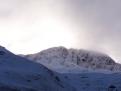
59, 58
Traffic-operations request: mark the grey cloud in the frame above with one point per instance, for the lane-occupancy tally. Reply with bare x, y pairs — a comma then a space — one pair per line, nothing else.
99, 21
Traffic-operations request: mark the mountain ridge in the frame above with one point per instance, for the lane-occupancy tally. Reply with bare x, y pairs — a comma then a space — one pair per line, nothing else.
82, 58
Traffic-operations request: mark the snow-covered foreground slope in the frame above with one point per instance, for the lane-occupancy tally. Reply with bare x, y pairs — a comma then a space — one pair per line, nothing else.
65, 60
93, 81
20, 74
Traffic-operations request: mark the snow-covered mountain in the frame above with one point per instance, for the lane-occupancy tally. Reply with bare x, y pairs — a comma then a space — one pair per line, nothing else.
20, 74
61, 59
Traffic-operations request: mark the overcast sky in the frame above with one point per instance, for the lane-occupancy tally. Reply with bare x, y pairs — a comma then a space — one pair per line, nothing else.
28, 26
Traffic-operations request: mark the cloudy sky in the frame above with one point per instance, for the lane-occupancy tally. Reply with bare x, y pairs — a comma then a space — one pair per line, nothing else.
28, 26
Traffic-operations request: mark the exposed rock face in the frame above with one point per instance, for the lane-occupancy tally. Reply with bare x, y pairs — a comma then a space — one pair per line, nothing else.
91, 59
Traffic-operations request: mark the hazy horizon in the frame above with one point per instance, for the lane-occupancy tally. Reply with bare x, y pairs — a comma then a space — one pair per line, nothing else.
29, 26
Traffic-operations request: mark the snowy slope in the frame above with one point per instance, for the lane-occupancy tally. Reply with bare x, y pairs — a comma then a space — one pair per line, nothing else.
93, 81
62, 60
20, 74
